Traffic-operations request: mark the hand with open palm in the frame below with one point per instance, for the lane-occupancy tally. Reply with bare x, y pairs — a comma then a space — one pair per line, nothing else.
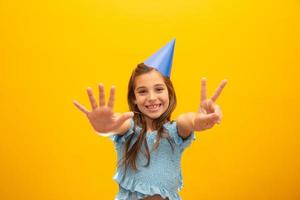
209, 113
102, 117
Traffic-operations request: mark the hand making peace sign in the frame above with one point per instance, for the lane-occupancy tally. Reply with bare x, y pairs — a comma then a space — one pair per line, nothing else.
102, 117
209, 113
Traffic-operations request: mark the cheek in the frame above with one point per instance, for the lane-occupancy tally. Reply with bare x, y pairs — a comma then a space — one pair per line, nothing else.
139, 100
168, 102
166, 98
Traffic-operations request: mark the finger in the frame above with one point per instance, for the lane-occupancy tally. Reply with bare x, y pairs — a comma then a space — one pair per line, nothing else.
101, 95
92, 99
203, 89
211, 118
111, 97
202, 110
209, 121
209, 125
203, 107
207, 106
218, 112
210, 106
80, 107
218, 90
124, 117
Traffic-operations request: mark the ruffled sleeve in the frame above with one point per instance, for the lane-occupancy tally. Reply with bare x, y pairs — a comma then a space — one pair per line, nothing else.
182, 143
119, 139
186, 142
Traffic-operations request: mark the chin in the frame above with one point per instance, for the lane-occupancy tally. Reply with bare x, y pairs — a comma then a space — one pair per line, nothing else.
154, 116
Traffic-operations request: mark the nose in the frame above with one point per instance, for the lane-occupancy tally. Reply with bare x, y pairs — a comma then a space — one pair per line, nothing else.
152, 96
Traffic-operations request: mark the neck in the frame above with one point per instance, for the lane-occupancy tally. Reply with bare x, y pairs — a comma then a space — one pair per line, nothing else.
149, 124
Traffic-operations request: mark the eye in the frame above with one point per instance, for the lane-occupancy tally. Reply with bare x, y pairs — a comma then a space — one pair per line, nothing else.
159, 89
142, 91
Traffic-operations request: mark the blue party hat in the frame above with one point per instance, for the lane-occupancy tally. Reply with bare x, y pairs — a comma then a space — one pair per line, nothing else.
162, 59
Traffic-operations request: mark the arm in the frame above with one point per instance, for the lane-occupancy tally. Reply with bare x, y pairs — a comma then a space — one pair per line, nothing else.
208, 115
185, 124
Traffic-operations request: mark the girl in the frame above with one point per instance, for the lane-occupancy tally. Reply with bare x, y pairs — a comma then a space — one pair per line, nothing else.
149, 146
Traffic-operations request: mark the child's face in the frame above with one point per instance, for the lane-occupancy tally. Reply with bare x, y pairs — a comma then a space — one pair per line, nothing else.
151, 93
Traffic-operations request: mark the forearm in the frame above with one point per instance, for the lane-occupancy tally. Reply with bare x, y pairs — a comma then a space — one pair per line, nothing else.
190, 122
186, 124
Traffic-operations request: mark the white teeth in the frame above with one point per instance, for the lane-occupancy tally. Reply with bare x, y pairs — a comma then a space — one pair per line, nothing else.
153, 106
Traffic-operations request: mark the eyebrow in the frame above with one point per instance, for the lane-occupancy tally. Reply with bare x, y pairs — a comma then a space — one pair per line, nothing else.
142, 87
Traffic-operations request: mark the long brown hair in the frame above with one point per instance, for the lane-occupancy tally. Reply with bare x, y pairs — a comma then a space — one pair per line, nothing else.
131, 151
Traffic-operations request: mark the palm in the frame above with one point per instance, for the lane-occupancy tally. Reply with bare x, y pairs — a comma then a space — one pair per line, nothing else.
209, 113
102, 117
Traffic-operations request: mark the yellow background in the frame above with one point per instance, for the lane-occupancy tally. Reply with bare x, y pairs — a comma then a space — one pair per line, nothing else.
51, 51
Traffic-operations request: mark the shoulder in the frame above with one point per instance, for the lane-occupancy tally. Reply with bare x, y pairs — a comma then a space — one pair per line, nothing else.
173, 129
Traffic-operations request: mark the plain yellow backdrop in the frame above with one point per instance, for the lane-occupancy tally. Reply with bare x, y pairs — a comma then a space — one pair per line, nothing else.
51, 51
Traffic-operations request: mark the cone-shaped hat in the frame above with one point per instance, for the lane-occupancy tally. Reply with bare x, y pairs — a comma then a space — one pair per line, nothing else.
162, 59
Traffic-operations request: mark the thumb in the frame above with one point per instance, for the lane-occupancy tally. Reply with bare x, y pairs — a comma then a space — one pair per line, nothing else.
124, 117
213, 117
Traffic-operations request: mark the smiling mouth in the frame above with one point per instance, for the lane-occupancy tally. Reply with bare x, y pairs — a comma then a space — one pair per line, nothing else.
153, 107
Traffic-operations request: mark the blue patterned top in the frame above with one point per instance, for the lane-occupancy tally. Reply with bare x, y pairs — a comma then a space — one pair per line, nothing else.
162, 176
